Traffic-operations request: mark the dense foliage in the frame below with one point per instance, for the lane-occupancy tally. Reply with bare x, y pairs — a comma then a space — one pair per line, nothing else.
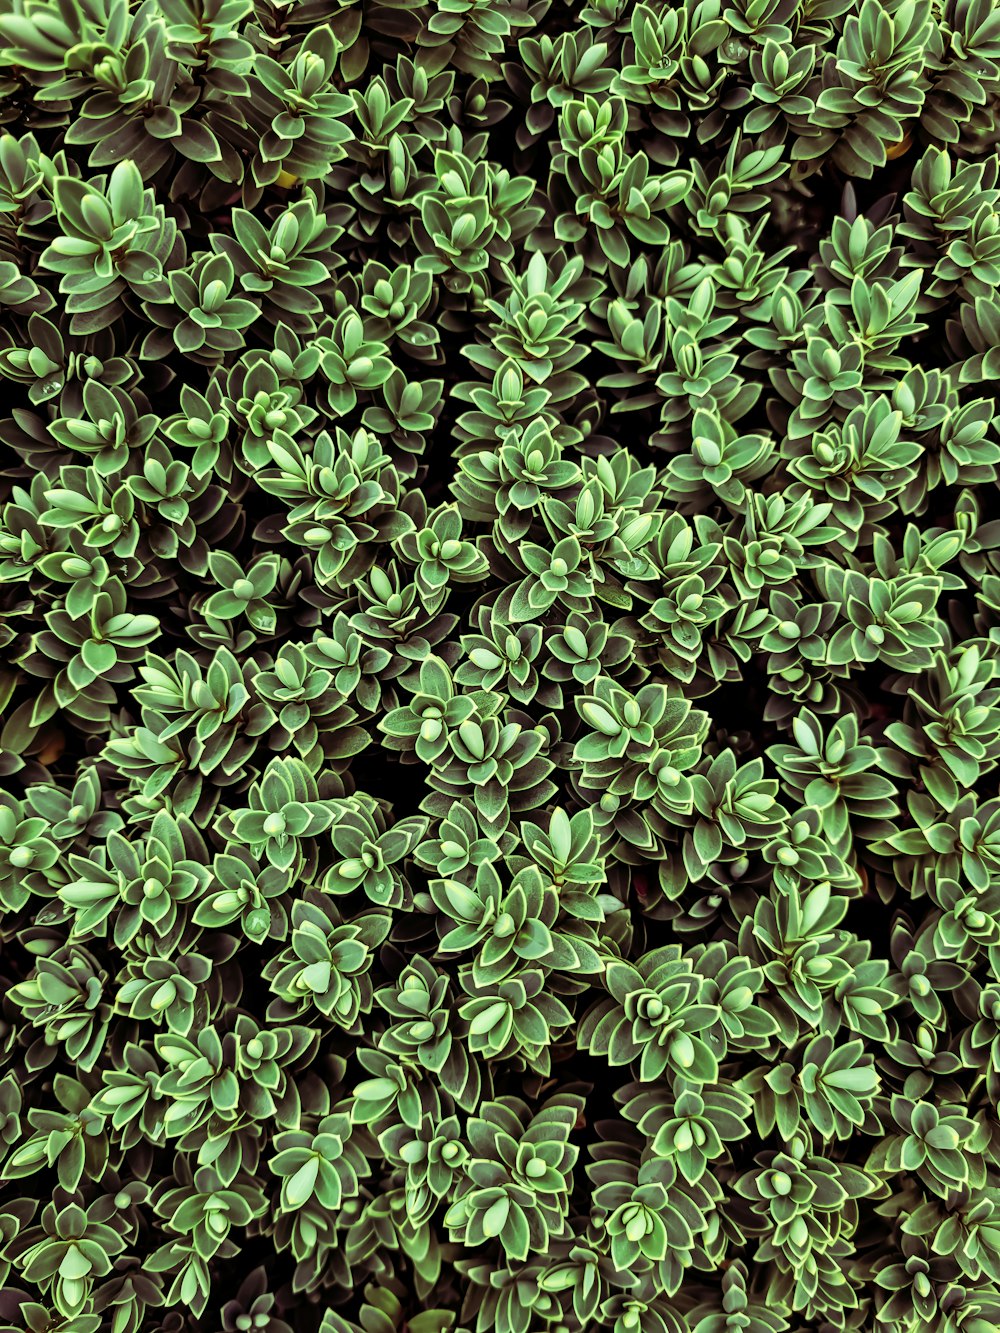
500, 621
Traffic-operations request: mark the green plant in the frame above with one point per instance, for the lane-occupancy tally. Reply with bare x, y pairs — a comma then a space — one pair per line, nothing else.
499, 728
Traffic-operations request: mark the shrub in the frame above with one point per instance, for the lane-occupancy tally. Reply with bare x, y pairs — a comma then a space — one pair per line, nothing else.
500, 623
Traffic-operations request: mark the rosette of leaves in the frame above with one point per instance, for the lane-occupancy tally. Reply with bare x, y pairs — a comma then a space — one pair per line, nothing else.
833, 1090
206, 320
516, 1178
201, 424
204, 1209
775, 535
299, 112
720, 462
253, 1301
422, 727
513, 926
469, 214
260, 403
397, 1091
26, 853
408, 411
63, 997
649, 1215
22, 537
284, 810
734, 986
737, 810
615, 544
981, 1043
311, 714
69, 1249
738, 1306
861, 465
84, 574
320, 1168
639, 748
872, 90
138, 885
948, 725
241, 890
508, 402
131, 1099
584, 649
72, 1139
796, 638
84, 656
165, 990
249, 593
618, 194
517, 1019
568, 852
692, 1127
113, 239
831, 773
503, 762
535, 328
803, 950
197, 722
356, 668
106, 426
968, 921
459, 847
559, 575
805, 1209
731, 184
887, 621
244, 1073
326, 963
501, 658
343, 493
822, 379
286, 264
961, 843
392, 615
351, 362
105, 510
368, 852
911, 1280
434, 1156
422, 1030
439, 552
398, 298
654, 1015
940, 1145
976, 1258
680, 619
